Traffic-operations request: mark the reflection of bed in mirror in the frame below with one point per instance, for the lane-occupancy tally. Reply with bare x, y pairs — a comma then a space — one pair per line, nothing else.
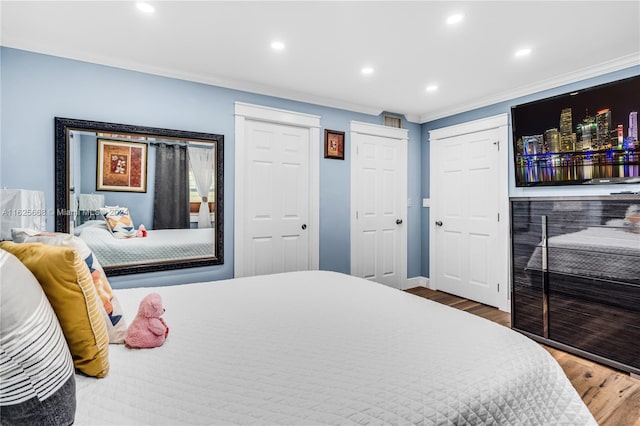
576, 275
608, 252
160, 245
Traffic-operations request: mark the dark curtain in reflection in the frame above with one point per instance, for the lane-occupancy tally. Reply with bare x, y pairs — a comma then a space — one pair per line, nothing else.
171, 201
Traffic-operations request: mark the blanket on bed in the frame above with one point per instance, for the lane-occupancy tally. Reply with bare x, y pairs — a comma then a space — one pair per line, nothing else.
157, 246
314, 348
601, 252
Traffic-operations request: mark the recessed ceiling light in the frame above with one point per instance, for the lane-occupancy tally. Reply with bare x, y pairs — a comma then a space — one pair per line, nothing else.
523, 52
277, 45
145, 7
432, 88
454, 19
366, 70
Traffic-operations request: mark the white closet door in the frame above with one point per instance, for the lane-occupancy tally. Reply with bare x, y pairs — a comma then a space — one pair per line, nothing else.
469, 224
276, 198
379, 188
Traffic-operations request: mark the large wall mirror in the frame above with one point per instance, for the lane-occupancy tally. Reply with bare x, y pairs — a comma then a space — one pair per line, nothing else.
112, 178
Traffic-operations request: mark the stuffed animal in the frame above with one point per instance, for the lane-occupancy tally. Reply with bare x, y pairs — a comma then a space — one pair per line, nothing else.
147, 330
141, 232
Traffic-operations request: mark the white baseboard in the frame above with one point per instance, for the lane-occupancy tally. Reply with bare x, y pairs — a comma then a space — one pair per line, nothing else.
416, 282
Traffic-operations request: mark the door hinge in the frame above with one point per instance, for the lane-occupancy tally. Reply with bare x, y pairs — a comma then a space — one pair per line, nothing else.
498, 217
356, 214
497, 143
498, 287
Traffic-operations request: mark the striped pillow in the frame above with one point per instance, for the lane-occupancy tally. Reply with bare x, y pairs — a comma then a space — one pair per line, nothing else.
65, 279
35, 362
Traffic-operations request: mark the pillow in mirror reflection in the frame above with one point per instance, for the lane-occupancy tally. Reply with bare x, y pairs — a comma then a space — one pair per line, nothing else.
111, 310
119, 221
100, 223
632, 218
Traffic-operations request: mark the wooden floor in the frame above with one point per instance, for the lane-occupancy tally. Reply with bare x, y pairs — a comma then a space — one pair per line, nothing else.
613, 397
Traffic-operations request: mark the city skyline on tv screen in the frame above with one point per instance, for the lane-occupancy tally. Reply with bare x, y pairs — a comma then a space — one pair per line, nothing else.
588, 136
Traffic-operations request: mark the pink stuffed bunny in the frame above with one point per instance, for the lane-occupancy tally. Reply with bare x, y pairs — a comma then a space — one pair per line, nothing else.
141, 232
147, 330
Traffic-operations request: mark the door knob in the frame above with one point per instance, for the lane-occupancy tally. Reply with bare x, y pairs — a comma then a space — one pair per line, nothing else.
398, 221
304, 226
438, 223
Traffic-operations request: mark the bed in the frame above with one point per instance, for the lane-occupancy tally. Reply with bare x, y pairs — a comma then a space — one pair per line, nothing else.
158, 246
608, 252
324, 348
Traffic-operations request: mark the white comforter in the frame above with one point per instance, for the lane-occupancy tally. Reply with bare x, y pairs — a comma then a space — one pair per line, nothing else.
158, 246
325, 348
605, 252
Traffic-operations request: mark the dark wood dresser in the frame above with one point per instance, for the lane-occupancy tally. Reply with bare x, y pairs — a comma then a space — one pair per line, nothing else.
576, 275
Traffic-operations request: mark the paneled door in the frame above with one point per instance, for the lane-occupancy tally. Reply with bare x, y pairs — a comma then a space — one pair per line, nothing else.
277, 213
468, 255
379, 204
277, 202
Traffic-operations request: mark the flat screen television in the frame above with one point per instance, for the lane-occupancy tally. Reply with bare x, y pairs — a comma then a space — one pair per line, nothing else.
588, 136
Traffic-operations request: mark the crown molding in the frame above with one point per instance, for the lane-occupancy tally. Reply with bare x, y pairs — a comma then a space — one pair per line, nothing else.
292, 95
259, 89
568, 78
234, 84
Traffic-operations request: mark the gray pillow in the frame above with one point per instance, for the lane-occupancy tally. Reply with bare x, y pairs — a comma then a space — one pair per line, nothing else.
57, 410
37, 382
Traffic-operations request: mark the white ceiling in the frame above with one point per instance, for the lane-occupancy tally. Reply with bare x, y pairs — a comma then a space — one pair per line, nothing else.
408, 44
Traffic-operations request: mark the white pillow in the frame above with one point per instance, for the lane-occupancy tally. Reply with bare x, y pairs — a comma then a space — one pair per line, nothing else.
632, 219
36, 362
93, 223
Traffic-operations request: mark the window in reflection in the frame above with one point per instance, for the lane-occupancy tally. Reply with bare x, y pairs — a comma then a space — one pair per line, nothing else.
201, 161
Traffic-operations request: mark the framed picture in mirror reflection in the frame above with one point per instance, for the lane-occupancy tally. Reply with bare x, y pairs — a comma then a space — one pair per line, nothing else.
122, 166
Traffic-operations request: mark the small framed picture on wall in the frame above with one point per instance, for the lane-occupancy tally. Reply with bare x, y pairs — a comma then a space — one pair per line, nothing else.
334, 144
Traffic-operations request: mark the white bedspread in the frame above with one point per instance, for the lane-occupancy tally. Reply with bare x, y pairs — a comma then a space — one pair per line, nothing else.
325, 348
605, 252
159, 245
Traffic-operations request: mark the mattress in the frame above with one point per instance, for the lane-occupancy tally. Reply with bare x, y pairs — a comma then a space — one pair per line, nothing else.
315, 348
158, 246
607, 252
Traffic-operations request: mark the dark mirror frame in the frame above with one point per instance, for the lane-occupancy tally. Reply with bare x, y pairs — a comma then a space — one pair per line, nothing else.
62, 128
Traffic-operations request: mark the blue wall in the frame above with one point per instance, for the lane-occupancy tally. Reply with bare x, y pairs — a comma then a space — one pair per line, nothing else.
36, 88
502, 108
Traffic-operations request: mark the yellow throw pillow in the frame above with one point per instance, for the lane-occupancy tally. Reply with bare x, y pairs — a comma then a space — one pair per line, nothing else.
112, 312
66, 281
